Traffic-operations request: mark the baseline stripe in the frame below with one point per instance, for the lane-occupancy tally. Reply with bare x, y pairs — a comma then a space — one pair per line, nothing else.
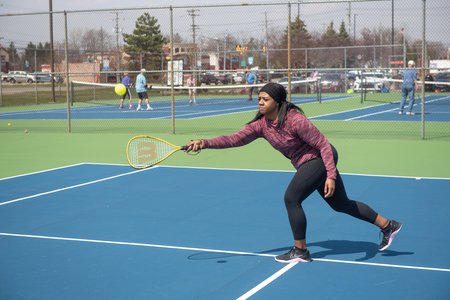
214, 251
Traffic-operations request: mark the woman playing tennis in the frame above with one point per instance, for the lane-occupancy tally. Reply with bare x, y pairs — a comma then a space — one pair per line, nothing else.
288, 130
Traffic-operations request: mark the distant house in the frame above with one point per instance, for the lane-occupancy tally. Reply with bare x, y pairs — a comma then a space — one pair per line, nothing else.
182, 51
4, 57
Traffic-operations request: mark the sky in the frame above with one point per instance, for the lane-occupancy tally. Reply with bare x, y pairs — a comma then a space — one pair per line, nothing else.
243, 22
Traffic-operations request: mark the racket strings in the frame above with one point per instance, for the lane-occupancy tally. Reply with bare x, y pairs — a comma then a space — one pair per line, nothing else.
147, 152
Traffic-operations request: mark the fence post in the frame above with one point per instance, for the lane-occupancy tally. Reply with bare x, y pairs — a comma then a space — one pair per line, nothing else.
66, 54
423, 68
172, 90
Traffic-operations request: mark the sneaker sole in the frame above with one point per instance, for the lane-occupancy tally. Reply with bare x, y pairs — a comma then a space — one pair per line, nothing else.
293, 260
391, 238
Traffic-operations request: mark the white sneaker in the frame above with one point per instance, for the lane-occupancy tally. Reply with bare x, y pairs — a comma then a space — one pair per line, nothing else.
149, 108
138, 108
410, 113
400, 113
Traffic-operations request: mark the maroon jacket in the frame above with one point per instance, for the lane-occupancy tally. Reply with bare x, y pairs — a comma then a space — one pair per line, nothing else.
298, 139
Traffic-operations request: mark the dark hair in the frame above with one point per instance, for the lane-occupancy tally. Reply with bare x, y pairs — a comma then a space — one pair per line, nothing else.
278, 93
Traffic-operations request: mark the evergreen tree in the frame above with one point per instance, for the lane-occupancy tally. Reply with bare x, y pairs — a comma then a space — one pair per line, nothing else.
12, 52
145, 43
343, 34
330, 33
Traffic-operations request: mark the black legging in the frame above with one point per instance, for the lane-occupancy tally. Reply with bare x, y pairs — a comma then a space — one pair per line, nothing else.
311, 176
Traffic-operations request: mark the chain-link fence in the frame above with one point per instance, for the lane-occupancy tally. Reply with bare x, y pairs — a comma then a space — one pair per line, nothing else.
218, 44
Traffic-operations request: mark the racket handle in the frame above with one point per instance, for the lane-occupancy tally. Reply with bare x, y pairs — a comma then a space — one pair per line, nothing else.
184, 148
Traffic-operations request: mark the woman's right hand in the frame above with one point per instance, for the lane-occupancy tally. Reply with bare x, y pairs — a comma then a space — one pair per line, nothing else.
195, 146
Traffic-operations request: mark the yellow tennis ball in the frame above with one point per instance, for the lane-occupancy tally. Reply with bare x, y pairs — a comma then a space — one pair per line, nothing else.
26, 131
120, 89
9, 124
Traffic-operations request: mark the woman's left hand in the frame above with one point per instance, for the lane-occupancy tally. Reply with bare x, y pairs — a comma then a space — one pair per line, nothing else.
329, 188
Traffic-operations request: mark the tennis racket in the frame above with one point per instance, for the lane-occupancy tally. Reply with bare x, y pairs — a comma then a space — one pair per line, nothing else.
144, 151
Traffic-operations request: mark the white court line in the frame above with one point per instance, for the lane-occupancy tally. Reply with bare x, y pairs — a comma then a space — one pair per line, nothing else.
246, 295
213, 251
267, 281
346, 111
293, 171
371, 114
42, 171
71, 187
384, 111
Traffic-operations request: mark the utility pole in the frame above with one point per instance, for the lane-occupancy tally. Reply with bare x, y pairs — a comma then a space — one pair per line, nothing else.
267, 48
117, 30
392, 28
52, 56
193, 14
101, 48
349, 19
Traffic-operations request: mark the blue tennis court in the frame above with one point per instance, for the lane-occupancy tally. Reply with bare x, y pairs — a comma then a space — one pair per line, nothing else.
97, 231
437, 109
161, 110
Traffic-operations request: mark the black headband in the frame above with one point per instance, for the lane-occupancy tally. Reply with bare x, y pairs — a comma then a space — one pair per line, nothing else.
275, 90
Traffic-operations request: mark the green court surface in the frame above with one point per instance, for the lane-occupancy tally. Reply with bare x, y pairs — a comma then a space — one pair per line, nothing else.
380, 147
43, 148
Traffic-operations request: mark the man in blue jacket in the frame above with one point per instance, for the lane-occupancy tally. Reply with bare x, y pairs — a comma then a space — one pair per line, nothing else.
251, 79
141, 90
409, 87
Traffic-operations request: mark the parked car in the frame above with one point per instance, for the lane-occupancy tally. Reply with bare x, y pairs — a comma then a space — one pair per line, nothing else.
226, 79
238, 78
370, 81
20, 76
208, 78
43, 77
332, 82
4, 77
295, 85
442, 77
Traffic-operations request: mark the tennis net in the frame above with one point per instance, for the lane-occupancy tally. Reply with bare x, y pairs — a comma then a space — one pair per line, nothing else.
390, 90
102, 94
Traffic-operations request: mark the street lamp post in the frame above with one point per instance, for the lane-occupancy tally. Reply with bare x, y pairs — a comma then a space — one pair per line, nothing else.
218, 54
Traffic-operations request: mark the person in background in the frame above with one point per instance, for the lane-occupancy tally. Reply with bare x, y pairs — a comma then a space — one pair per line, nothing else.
409, 87
192, 84
141, 90
251, 79
288, 130
126, 81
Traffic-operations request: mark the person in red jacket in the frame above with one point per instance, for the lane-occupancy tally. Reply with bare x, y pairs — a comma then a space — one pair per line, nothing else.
288, 130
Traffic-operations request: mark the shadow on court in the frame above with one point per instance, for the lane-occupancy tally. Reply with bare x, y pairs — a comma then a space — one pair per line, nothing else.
340, 247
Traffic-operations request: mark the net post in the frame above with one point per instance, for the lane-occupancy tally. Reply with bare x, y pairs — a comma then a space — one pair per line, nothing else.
363, 88
423, 69
66, 55
70, 85
319, 90
1, 91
